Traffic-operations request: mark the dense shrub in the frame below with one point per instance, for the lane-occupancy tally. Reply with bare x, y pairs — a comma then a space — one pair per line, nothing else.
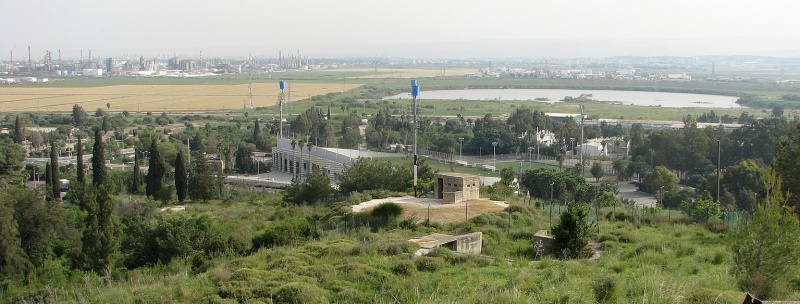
404, 267
429, 264
571, 233
604, 289
288, 231
300, 293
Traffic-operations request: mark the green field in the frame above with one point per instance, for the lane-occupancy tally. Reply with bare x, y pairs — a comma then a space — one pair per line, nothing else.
330, 84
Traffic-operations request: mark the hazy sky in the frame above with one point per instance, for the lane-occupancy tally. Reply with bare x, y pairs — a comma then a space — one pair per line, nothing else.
377, 27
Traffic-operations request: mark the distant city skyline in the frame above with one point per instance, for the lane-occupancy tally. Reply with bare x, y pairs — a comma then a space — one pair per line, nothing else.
411, 28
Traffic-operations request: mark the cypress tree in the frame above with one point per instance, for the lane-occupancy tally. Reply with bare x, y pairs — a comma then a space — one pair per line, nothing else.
202, 179
99, 239
136, 181
19, 137
77, 115
329, 111
81, 172
256, 131
47, 181
180, 176
53, 174
155, 172
98, 160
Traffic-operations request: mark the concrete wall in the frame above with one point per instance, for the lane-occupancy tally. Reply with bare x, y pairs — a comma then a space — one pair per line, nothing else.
546, 240
471, 243
453, 197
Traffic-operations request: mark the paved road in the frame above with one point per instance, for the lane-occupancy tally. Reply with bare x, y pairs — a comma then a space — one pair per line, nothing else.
641, 199
272, 179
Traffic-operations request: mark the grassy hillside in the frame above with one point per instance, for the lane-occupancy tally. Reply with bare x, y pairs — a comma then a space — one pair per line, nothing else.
645, 258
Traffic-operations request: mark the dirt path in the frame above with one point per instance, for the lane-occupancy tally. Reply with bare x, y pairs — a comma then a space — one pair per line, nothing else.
597, 248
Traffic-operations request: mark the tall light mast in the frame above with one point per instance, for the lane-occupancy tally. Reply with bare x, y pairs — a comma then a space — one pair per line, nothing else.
282, 85
581, 156
414, 94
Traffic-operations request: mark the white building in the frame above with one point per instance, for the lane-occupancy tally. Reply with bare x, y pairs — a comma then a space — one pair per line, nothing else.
331, 161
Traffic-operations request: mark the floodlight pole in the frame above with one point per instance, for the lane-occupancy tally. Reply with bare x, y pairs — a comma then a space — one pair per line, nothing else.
581, 143
719, 163
414, 94
494, 154
282, 85
460, 146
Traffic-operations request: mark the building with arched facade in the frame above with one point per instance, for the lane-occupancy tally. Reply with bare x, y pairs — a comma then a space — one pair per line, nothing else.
300, 161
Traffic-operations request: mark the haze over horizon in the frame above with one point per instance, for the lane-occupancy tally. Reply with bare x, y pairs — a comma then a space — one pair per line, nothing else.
412, 28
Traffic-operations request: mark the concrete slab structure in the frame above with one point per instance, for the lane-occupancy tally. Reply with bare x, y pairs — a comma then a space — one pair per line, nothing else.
455, 188
544, 241
470, 243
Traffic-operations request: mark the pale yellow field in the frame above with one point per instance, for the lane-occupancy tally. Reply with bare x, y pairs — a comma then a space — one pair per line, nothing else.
409, 73
156, 98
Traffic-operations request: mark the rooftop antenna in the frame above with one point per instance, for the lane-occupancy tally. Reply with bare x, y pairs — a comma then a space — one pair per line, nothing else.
414, 94
282, 85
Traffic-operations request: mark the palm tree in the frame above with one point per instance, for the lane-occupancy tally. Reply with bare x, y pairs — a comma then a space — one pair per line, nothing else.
301, 145
294, 170
309, 146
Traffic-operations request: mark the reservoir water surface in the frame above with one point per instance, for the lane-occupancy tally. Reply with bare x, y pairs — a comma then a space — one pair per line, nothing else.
639, 98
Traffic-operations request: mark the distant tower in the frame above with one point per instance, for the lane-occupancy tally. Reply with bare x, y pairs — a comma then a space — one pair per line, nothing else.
59, 59
47, 60
110, 66
282, 85
30, 61
713, 70
250, 88
375, 77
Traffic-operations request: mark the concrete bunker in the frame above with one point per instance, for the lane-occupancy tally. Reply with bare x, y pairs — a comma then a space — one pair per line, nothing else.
470, 243
454, 188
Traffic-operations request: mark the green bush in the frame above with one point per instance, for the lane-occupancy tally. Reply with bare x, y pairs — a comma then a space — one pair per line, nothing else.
604, 289
428, 264
300, 293
364, 275
404, 268
386, 214
571, 233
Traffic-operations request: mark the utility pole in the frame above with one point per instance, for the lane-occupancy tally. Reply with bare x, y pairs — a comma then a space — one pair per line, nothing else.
414, 94
581, 155
719, 162
494, 154
282, 85
460, 146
